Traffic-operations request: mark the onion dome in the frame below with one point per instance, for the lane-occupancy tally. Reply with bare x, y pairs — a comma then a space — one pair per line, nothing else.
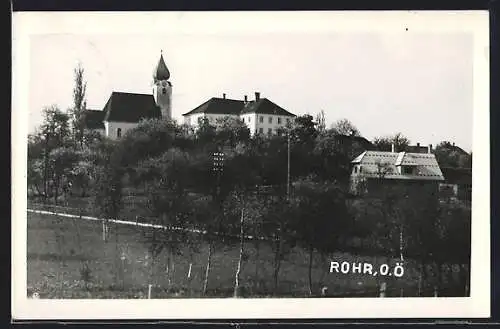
161, 72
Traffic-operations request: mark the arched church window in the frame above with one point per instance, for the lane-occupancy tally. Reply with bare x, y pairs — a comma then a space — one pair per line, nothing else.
119, 132
164, 91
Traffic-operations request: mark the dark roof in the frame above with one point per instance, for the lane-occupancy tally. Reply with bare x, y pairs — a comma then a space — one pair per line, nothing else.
457, 175
94, 119
265, 106
128, 107
459, 150
417, 149
236, 107
219, 106
356, 139
161, 71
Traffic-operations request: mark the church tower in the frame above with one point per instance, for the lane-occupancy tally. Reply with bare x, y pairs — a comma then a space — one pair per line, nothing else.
162, 89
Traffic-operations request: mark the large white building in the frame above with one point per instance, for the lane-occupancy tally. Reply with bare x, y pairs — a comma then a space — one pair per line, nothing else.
261, 115
123, 111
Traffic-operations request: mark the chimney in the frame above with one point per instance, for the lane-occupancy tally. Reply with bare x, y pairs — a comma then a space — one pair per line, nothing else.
224, 96
418, 144
257, 96
392, 147
246, 99
429, 148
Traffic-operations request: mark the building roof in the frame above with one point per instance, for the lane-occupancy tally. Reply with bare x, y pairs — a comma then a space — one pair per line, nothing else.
418, 148
426, 164
128, 107
265, 106
161, 71
236, 107
363, 142
457, 175
219, 106
94, 119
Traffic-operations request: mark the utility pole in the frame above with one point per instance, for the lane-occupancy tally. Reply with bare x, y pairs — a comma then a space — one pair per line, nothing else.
288, 169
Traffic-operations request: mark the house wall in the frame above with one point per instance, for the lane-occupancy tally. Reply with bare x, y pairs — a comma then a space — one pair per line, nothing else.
111, 128
250, 120
274, 125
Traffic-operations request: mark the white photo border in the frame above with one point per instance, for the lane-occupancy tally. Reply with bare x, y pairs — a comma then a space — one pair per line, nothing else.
26, 24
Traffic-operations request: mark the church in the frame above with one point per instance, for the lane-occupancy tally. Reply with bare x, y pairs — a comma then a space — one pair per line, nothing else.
123, 111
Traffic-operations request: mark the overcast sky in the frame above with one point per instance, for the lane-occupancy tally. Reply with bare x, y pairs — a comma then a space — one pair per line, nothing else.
419, 84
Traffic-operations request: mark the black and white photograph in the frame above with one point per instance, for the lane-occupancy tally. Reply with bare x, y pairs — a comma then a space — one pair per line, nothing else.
238, 164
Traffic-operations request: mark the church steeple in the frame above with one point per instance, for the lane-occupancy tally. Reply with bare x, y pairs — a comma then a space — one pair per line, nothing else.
162, 89
161, 71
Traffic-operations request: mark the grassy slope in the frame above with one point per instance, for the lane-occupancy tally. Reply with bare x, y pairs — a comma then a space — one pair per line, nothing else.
58, 247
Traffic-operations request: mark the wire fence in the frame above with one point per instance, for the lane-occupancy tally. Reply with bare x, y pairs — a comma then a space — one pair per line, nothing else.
86, 213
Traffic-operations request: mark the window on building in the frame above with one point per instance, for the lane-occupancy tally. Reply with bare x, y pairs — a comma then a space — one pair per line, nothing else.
119, 132
355, 169
164, 91
249, 119
287, 120
360, 169
269, 131
270, 119
243, 119
261, 130
279, 121
407, 170
261, 119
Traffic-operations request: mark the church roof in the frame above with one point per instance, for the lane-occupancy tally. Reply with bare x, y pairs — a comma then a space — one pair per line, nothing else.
94, 119
236, 107
161, 71
128, 107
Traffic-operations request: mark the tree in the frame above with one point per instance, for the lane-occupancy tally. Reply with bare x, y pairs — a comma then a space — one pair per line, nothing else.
302, 140
331, 158
79, 105
345, 127
168, 201
53, 133
230, 131
448, 155
321, 121
321, 218
385, 143
61, 160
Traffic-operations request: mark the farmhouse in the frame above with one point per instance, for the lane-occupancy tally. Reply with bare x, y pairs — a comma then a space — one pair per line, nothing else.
261, 115
372, 170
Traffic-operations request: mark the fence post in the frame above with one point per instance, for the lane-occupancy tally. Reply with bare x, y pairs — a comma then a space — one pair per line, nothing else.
149, 290
383, 288
104, 229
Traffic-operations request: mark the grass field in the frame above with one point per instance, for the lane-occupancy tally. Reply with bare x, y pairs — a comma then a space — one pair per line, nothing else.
58, 247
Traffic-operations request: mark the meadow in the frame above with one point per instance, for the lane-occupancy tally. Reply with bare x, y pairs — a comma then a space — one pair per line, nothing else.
68, 258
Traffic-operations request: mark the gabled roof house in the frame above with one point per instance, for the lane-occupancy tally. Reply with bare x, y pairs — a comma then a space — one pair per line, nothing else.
402, 167
261, 115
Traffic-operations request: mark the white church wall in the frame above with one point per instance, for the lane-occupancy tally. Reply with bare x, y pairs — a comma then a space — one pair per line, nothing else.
112, 127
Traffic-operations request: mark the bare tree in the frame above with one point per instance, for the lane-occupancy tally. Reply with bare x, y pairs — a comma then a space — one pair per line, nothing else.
345, 127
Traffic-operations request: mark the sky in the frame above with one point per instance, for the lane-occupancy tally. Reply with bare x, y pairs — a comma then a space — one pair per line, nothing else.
419, 84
